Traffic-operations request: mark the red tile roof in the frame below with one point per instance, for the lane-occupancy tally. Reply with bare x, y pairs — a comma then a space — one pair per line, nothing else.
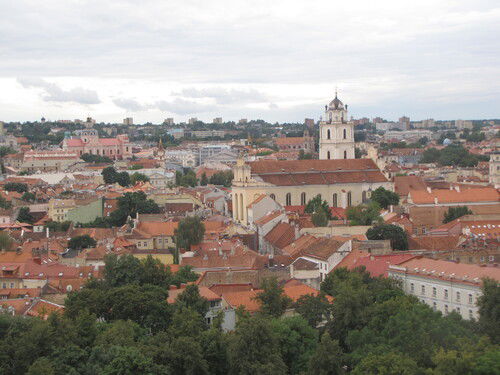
281, 235
453, 196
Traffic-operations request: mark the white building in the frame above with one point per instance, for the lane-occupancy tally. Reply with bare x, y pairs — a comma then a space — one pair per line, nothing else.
495, 169
336, 133
443, 285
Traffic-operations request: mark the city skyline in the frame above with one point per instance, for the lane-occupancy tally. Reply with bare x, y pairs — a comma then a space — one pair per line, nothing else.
278, 62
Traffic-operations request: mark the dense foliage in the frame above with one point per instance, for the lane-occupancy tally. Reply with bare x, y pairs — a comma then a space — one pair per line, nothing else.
81, 242
384, 197
187, 178
452, 155
316, 205
91, 158
16, 186
24, 216
364, 214
224, 178
111, 176
456, 212
189, 232
397, 236
371, 327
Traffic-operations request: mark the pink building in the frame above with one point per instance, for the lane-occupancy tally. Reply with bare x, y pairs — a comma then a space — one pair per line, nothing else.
87, 141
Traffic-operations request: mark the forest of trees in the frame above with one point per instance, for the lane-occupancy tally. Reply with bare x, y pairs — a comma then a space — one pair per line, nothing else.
123, 325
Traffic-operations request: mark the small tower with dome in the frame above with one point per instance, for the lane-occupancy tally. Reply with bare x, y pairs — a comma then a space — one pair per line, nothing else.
336, 133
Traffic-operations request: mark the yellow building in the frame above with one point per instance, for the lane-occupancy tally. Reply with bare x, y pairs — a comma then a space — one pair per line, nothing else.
58, 209
342, 183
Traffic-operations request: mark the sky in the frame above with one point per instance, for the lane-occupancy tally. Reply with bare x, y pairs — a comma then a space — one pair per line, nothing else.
272, 60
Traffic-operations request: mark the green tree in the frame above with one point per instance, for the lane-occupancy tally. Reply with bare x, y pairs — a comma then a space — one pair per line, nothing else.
5, 241
385, 198
109, 175
91, 158
189, 232
320, 219
297, 341
190, 298
4, 203
305, 156
16, 186
456, 212
387, 364
364, 214
25, 216
138, 177
314, 309
28, 197
224, 178
81, 242
254, 349
204, 179
42, 366
123, 179
272, 300
316, 205
397, 236
489, 309
328, 358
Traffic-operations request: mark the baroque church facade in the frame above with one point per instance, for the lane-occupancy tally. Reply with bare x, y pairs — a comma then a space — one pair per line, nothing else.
337, 176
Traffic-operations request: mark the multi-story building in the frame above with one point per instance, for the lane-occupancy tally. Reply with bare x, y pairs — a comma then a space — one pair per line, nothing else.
494, 175
192, 120
87, 141
463, 124
128, 121
445, 286
305, 143
404, 122
169, 121
48, 161
309, 123
59, 208
217, 120
336, 133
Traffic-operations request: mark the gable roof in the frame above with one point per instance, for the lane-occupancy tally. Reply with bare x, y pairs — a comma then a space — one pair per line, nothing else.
453, 196
281, 235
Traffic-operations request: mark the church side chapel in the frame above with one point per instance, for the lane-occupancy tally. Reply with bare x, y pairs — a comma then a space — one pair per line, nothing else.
337, 176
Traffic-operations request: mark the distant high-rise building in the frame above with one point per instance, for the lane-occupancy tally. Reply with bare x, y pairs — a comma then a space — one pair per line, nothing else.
404, 122
192, 120
309, 122
495, 169
463, 124
128, 121
217, 120
429, 123
1, 128
89, 123
243, 121
169, 121
377, 119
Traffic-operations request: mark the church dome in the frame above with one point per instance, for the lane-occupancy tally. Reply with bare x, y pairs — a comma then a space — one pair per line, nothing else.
336, 103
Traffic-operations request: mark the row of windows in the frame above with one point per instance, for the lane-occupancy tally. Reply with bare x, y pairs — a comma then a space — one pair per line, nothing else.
329, 156
445, 293
335, 200
457, 309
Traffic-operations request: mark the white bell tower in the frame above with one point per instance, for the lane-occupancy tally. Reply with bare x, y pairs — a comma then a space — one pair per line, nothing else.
336, 133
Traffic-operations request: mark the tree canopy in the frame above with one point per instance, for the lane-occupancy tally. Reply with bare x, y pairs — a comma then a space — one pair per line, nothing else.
364, 214
384, 198
397, 236
456, 212
189, 232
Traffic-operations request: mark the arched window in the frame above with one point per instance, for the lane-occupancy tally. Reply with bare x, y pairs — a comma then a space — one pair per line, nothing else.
328, 155
363, 197
303, 199
273, 196
328, 134
349, 199
345, 133
345, 154
335, 200
288, 199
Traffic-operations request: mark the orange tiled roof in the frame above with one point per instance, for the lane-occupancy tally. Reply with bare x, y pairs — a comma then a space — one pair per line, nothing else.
155, 228
290, 141
203, 290
267, 218
453, 196
281, 235
247, 299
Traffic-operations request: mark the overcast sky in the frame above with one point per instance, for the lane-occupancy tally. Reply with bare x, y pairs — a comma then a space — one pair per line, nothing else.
275, 60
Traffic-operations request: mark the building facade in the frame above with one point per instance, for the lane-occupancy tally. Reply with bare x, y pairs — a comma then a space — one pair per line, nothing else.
342, 183
336, 133
87, 141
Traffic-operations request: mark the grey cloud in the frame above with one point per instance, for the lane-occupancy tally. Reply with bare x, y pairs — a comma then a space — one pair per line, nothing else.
129, 104
225, 96
183, 107
53, 93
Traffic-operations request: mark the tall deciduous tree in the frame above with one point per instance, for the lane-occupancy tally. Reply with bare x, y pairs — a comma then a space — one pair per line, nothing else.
489, 309
189, 232
456, 212
328, 358
25, 216
272, 300
384, 197
397, 236
81, 242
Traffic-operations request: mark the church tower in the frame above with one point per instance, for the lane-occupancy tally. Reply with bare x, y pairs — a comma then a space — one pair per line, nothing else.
336, 133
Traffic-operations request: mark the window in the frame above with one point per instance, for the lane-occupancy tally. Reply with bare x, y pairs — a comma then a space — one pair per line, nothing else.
273, 196
446, 309
349, 199
492, 258
434, 291
482, 259
458, 310
328, 155
458, 296
345, 133
423, 289
303, 199
328, 134
471, 315
363, 196
446, 294
470, 299
434, 306
412, 287
345, 154
334, 200
288, 199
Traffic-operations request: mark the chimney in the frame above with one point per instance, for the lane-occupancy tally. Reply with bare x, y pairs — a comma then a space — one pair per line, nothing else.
435, 200
429, 190
457, 188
